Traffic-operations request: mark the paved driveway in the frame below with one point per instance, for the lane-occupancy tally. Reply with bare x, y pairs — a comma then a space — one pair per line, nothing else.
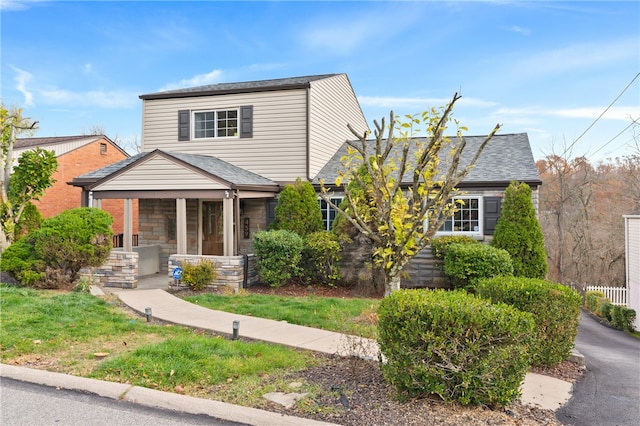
609, 392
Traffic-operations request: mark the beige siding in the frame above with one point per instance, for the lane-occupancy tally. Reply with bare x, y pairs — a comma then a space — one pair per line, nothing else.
277, 149
333, 106
158, 173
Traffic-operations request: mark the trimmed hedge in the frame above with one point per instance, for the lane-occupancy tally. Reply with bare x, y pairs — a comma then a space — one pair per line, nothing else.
555, 309
465, 264
279, 254
321, 257
455, 345
618, 316
439, 244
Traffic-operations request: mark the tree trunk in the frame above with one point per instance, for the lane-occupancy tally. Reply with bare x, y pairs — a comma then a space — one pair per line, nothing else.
392, 284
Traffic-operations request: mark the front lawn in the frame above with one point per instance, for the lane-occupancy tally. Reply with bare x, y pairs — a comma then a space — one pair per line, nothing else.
63, 332
355, 316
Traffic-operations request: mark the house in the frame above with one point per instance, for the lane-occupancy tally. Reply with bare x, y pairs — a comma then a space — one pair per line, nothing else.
214, 159
632, 258
505, 159
76, 155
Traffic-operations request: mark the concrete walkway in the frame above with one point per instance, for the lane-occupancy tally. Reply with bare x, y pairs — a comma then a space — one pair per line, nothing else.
537, 390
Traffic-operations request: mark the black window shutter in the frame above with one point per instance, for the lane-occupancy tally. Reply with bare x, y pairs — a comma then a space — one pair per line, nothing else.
246, 121
183, 124
492, 207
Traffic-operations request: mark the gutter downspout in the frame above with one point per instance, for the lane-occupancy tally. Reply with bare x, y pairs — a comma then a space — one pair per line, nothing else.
308, 135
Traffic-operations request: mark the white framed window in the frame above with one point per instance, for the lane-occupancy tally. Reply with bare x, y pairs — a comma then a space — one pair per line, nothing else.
467, 220
328, 212
215, 124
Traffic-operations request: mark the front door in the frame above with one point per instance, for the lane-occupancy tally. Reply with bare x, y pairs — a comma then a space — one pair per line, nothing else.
212, 228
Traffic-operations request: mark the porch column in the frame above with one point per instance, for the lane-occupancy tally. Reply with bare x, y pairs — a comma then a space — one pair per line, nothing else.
181, 226
227, 225
127, 244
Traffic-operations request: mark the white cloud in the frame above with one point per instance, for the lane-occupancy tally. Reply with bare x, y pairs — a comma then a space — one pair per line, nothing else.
22, 78
98, 98
7, 5
577, 57
519, 30
614, 113
212, 77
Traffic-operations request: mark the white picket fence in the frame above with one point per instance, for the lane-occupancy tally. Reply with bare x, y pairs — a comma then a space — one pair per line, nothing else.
616, 295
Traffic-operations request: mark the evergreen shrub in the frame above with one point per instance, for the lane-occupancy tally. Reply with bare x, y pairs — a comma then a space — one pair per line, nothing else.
465, 264
321, 257
455, 345
279, 253
298, 209
555, 309
519, 233
52, 255
622, 317
439, 244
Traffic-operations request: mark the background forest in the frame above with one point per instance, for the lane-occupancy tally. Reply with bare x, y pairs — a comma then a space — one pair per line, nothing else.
581, 209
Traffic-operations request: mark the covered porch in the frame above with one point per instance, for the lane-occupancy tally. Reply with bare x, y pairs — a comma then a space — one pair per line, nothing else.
188, 204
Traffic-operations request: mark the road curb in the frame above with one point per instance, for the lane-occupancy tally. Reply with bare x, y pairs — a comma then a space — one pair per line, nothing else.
155, 399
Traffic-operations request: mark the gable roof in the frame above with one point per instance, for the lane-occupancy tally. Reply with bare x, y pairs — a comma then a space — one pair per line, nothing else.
241, 87
208, 166
505, 158
62, 144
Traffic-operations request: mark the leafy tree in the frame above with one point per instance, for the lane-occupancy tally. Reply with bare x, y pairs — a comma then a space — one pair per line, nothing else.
298, 209
400, 219
25, 182
519, 233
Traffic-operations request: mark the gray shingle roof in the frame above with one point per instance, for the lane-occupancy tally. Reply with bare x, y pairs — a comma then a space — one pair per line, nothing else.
504, 159
235, 176
241, 87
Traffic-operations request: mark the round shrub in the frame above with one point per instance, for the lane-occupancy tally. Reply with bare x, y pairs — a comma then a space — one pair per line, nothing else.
279, 254
64, 244
465, 264
439, 244
455, 345
199, 275
555, 309
321, 257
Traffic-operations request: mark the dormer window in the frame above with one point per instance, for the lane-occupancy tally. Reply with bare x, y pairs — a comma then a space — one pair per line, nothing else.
215, 124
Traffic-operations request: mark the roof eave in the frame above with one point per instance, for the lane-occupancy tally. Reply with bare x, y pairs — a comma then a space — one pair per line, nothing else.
173, 95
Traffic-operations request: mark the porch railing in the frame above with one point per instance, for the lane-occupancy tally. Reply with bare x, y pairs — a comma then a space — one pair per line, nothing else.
616, 295
118, 240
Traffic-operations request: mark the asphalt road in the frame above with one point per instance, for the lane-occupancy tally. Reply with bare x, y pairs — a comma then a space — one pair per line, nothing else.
609, 392
34, 405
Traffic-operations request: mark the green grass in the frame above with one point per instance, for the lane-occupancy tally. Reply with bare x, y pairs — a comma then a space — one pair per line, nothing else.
62, 332
350, 316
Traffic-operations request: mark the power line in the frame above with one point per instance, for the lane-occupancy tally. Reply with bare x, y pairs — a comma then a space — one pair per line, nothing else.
616, 136
600, 116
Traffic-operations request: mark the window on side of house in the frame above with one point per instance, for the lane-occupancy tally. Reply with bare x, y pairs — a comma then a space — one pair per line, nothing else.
467, 220
215, 124
328, 212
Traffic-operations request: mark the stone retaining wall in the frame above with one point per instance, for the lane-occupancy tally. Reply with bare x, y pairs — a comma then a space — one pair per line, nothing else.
120, 270
230, 270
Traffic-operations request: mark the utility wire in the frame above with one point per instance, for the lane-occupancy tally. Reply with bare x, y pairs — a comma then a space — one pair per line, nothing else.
616, 136
600, 116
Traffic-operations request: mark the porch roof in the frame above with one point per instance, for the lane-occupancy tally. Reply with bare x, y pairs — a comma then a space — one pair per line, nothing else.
197, 170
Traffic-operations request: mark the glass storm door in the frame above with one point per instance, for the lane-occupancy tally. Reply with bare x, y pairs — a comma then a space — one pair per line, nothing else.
212, 228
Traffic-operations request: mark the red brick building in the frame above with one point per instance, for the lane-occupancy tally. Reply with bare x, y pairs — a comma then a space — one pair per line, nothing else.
76, 156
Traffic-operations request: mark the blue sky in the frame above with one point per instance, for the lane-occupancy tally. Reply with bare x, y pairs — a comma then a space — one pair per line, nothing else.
546, 68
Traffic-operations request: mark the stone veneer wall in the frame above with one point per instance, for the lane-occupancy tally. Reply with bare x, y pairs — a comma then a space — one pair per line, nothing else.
120, 270
230, 269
